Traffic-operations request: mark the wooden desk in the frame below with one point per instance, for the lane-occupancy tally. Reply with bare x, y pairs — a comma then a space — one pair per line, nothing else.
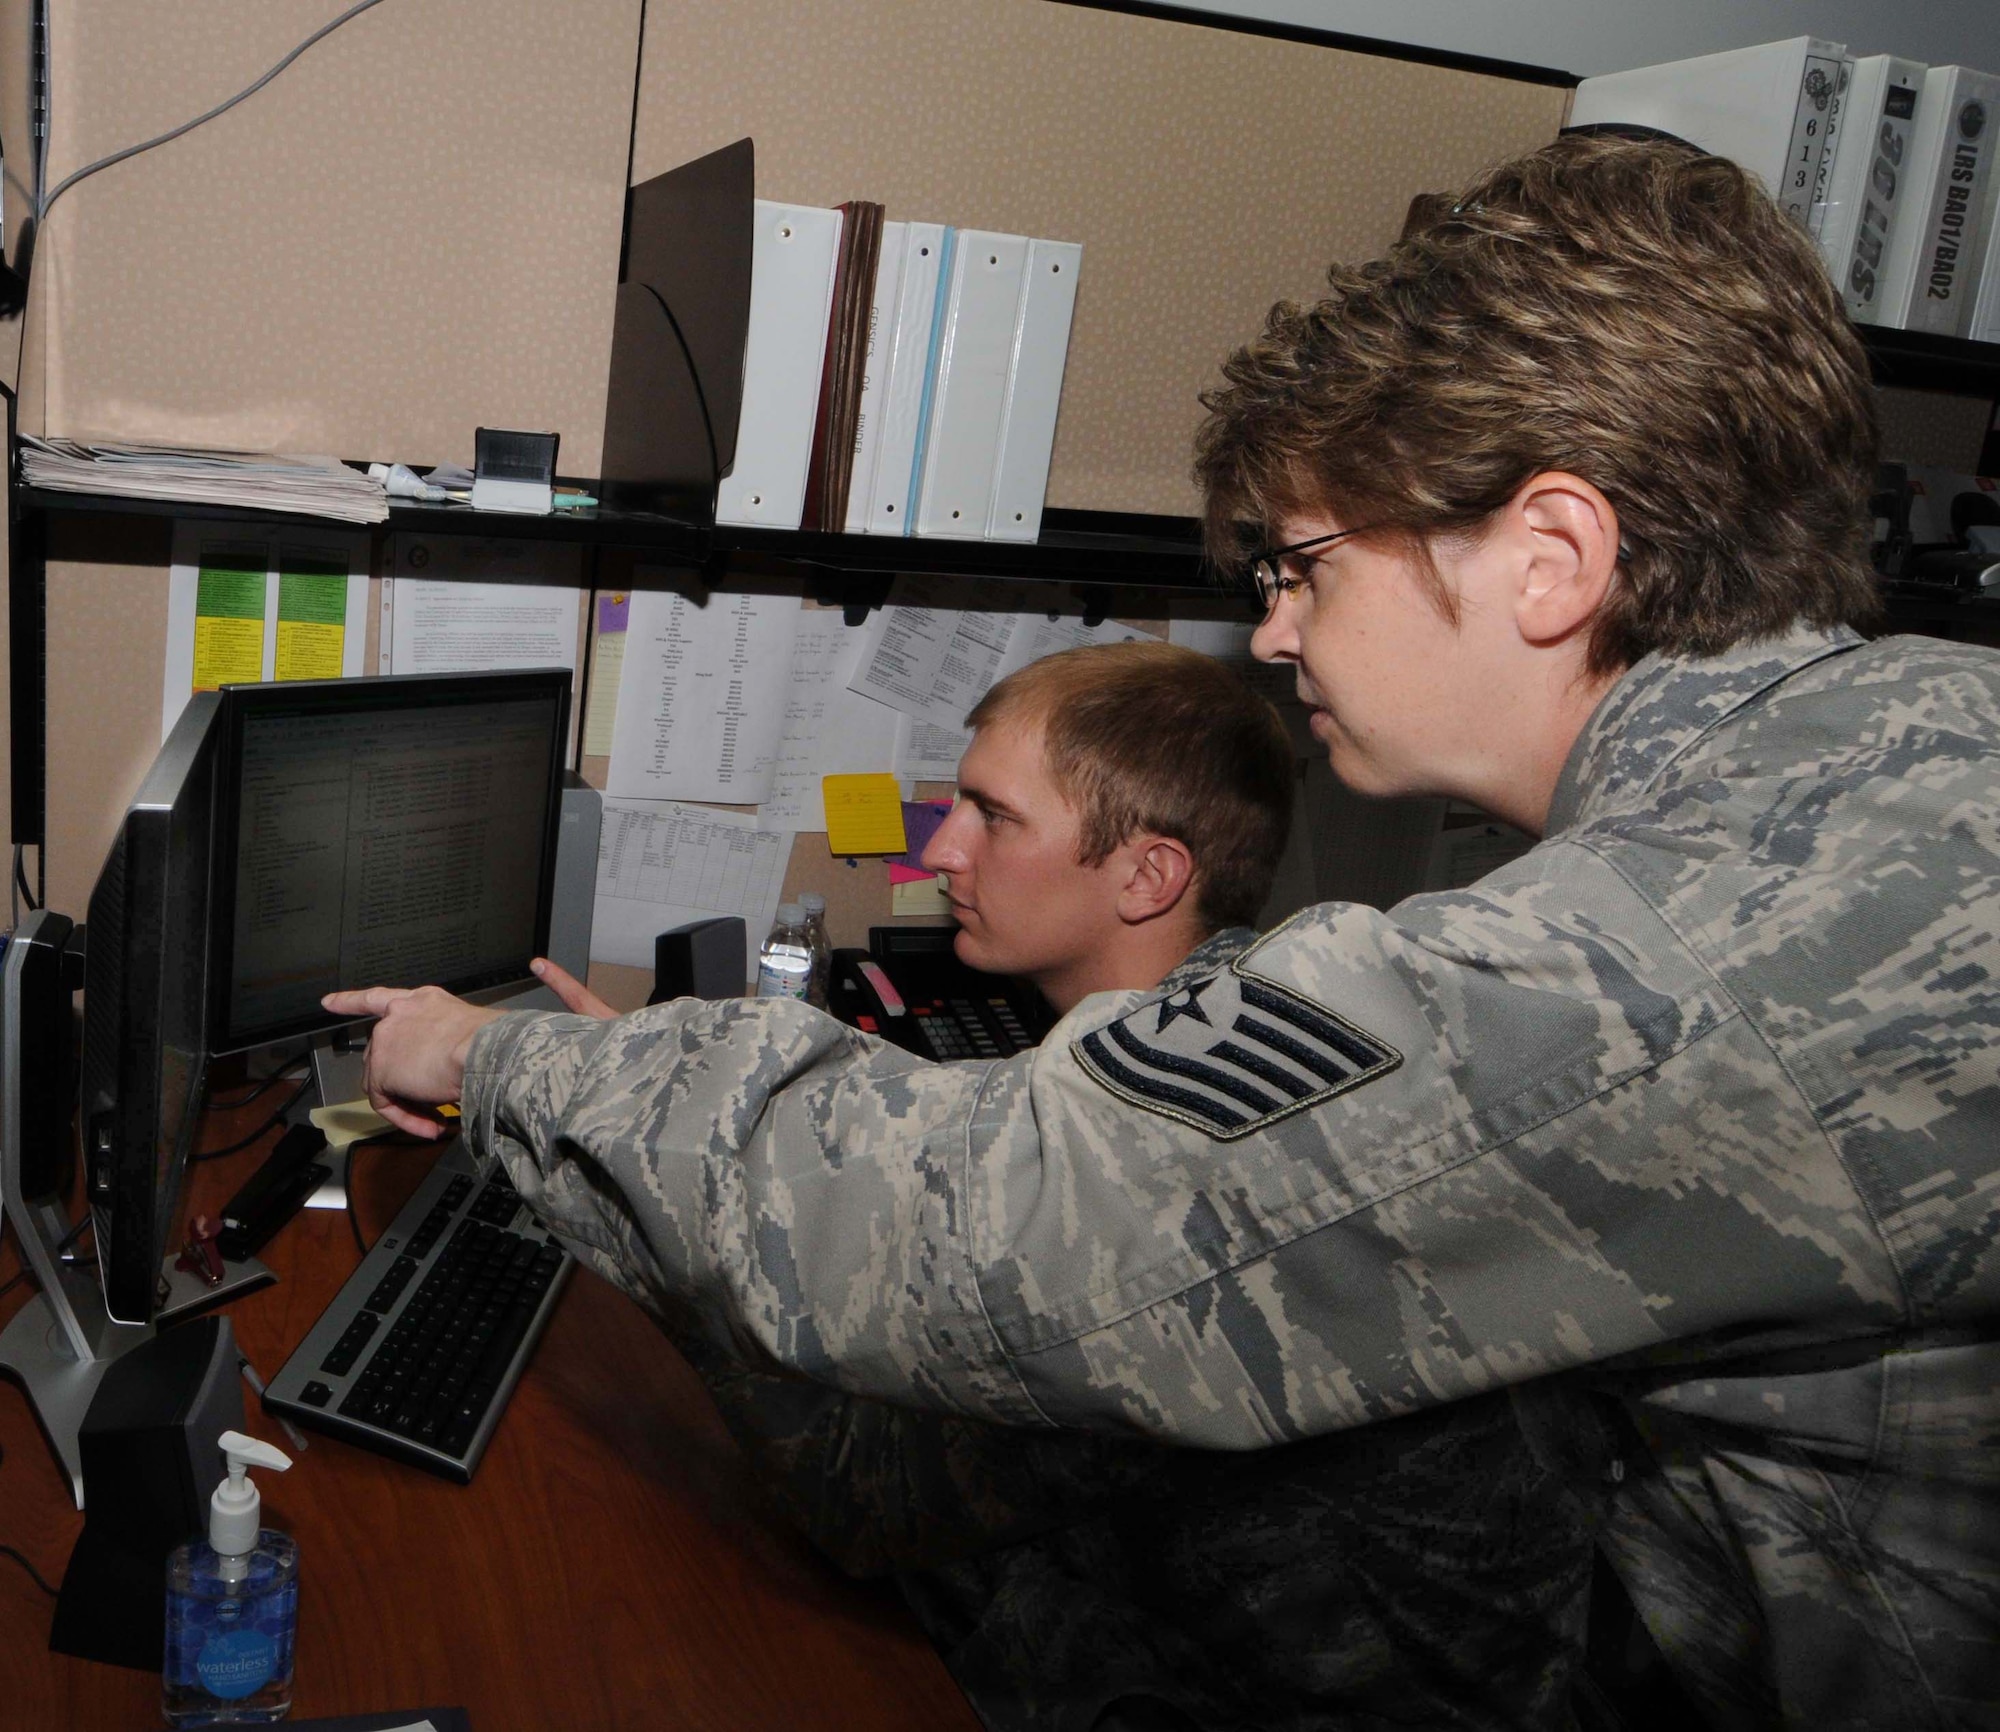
608, 1567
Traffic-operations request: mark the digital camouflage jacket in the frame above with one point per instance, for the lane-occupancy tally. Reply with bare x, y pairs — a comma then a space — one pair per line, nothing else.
1695, 1108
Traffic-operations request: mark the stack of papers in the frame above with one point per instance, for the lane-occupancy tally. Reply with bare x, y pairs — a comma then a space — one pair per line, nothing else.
313, 486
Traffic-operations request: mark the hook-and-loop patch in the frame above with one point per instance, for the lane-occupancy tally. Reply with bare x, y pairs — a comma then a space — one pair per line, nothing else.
1231, 1054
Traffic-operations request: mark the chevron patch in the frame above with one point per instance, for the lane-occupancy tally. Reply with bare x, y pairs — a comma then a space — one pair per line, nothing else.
1231, 1054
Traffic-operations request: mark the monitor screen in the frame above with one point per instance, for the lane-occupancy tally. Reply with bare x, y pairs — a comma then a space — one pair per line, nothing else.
396, 831
144, 1009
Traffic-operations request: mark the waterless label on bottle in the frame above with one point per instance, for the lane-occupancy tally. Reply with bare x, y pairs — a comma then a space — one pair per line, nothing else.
236, 1663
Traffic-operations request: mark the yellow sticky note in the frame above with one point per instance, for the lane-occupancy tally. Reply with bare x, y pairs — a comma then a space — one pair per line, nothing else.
864, 814
919, 896
348, 1122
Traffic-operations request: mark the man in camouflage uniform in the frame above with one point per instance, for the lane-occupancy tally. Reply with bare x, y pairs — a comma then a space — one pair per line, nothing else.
1685, 1125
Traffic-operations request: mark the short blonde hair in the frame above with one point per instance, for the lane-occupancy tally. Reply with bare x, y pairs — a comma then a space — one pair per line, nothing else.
1637, 313
1150, 738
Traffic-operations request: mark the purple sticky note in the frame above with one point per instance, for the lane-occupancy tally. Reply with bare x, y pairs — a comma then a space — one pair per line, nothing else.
614, 609
921, 819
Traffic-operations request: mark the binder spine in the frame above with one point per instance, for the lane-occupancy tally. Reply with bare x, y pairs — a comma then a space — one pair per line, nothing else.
927, 402
908, 355
961, 445
1985, 324
1034, 391
1836, 118
875, 377
1869, 181
1809, 134
1948, 252
791, 300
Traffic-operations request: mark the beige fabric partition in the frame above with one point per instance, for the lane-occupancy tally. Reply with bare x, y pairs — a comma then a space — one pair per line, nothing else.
1206, 172
414, 231
411, 232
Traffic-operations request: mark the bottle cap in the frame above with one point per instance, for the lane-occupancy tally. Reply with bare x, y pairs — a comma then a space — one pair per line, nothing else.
236, 1510
813, 902
790, 914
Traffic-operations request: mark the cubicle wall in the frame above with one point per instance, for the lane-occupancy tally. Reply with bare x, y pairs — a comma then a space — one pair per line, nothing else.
415, 231
1207, 173
412, 230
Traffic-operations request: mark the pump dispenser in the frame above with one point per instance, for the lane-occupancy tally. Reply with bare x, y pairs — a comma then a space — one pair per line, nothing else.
232, 1605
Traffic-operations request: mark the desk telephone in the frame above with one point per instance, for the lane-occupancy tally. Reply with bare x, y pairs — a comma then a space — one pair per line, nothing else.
909, 987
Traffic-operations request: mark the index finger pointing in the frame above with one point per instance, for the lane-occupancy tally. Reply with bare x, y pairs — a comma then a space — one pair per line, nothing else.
364, 1001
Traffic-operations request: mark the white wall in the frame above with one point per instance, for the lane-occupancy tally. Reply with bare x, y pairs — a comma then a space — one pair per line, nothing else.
1588, 36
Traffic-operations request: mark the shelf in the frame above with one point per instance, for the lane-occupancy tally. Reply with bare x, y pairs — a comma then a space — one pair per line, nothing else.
1077, 547
1917, 361
1105, 549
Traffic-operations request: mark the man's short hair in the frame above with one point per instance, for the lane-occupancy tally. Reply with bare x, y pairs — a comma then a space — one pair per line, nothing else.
1150, 738
1637, 313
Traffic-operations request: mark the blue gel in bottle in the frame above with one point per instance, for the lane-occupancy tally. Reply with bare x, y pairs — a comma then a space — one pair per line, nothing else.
232, 1607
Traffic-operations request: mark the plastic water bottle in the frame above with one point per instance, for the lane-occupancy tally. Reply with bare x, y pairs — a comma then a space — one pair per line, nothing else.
814, 905
784, 965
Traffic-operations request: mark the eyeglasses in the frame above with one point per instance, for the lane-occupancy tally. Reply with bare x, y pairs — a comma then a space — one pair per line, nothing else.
1267, 568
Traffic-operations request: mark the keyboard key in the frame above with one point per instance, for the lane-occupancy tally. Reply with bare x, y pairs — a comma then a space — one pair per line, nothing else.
355, 1337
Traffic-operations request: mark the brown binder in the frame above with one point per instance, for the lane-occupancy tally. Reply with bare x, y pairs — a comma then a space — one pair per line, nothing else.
830, 471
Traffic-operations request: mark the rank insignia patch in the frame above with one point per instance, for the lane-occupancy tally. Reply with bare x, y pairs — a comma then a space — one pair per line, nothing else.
1230, 1054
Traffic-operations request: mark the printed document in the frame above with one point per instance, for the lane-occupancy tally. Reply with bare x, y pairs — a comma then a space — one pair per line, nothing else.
661, 865
607, 659
934, 662
701, 695
462, 604
828, 729
248, 602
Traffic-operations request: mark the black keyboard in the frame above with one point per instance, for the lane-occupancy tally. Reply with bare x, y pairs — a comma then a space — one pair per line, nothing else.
420, 1350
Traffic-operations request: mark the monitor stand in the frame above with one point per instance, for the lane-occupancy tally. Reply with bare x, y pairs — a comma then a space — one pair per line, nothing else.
59, 1345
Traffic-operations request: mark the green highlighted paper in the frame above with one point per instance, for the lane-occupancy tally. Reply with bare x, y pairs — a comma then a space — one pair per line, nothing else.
229, 617
312, 616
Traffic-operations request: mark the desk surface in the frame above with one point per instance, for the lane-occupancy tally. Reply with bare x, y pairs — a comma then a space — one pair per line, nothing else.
609, 1566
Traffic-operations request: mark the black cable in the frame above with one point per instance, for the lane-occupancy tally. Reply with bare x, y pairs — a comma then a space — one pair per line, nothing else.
256, 1089
21, 879
30, 1568
75, 1233
243, 1142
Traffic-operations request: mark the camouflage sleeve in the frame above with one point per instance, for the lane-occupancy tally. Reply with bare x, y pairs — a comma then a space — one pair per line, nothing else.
1373, 1164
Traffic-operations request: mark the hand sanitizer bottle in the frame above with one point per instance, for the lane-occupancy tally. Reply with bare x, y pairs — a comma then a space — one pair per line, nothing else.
232, 1606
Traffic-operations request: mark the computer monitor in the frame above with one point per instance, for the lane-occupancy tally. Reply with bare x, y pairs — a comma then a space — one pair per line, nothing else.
145, 1010
385, 831
291, 839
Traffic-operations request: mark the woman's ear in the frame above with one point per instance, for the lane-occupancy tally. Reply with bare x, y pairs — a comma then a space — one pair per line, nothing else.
1572, 557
